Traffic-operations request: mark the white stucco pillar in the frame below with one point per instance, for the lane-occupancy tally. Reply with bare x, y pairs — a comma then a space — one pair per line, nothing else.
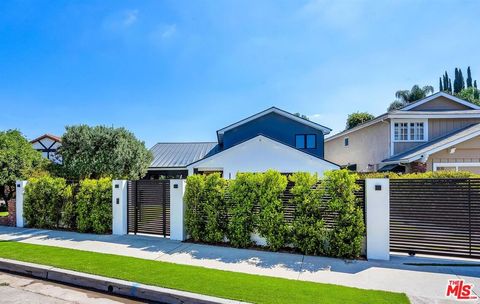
377, 205
177, 210
19, 198
119, 207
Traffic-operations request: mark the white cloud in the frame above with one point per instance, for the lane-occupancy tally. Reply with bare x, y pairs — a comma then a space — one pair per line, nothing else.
162, 33
120, 21
130, 17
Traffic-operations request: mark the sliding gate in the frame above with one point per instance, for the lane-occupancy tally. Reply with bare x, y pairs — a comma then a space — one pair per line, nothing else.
149, 207
435, 216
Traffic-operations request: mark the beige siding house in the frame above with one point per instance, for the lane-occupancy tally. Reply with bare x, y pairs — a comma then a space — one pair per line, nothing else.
439, 132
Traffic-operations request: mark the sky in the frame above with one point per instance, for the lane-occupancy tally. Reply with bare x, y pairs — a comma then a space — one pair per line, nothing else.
174, 71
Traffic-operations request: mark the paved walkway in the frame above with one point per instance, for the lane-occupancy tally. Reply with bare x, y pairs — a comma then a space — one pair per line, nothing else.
423, 284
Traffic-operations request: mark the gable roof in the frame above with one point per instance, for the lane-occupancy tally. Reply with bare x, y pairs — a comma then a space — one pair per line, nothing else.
49, 136
179, 155
406, 112
286, 114
438, 94
436, 145
266, 138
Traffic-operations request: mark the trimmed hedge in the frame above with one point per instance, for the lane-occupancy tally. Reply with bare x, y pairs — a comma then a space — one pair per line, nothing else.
48, 203
53, 204
94, 205
427, 175
253, 204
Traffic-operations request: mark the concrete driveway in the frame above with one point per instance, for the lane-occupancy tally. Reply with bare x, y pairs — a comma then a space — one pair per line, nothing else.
423, 284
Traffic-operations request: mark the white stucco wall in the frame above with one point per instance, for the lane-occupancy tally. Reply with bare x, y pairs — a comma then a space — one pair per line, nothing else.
260, 154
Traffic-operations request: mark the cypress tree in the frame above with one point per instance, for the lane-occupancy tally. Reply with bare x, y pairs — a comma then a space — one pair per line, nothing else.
445, 81
455, 82
461, 80
441, 85
469, 78
475, 84
449, 85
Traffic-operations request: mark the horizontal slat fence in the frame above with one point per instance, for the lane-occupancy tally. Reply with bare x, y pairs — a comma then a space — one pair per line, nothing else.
329, 217
149, 207
435, 216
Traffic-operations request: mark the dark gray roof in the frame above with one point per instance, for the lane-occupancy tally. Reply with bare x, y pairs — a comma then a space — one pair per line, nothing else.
174, 155
436, 143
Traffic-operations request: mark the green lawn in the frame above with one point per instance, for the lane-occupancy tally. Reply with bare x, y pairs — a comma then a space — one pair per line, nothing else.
3, 213
225, 284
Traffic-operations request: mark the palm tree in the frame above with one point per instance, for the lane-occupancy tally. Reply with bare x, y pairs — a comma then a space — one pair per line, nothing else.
405, 97
416, 93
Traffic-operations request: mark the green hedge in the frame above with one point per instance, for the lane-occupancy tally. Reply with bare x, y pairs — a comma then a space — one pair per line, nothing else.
48, 203
53, 204
94, 205
253, 204
428, 175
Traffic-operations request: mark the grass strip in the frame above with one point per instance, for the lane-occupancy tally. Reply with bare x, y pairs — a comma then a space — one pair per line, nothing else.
219, 283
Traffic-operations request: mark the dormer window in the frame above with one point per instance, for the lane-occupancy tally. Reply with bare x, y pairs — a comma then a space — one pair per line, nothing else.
306, 141
409, 131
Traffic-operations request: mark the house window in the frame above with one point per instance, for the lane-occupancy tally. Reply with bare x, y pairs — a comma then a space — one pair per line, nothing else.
308, 141
346, 141
409, 131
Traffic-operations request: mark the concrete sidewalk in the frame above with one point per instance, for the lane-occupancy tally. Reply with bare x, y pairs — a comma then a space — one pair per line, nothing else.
423, 284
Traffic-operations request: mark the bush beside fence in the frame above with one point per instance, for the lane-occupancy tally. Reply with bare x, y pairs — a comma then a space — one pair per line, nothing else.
327, 217
54, 203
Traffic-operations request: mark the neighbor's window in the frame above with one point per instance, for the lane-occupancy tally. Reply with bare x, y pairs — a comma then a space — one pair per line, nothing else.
409, 131
346, 141
308, 141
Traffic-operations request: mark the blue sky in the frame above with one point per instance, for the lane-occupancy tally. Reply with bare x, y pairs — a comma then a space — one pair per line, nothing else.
180, 70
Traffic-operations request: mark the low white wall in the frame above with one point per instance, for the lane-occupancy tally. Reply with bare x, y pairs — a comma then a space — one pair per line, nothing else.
20, 190
177, 210
377, 205
119, 207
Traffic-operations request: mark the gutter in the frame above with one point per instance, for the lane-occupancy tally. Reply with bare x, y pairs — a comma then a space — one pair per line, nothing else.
109, 285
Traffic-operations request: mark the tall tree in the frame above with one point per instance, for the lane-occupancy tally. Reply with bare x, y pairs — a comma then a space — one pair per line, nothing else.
18, 160
94, 152
440, 87
358, 118
456, 87
469, 78
475, 84
414, 94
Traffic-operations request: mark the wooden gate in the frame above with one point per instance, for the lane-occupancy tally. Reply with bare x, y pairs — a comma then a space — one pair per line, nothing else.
149, 207
435, 216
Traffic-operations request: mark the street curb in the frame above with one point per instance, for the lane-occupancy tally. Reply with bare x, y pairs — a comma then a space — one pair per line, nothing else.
109, 285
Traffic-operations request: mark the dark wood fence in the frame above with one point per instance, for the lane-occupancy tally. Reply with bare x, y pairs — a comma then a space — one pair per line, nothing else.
435, 216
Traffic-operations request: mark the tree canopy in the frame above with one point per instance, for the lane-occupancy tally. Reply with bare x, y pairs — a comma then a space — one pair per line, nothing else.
100, 151
470, 94
18, 160
357, 118
405, 97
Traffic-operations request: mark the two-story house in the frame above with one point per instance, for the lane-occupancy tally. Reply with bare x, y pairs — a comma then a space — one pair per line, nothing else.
439, 132
271, 139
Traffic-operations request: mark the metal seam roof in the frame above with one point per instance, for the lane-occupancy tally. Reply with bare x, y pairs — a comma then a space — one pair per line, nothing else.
178, 155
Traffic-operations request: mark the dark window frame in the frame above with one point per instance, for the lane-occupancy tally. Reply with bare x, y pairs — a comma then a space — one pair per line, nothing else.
346, 141
305, 141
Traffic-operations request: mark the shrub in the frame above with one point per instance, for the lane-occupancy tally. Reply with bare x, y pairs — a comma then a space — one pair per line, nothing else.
194, 213
214, 207
430, 174
271, 222
47, 199
94, 205
346, 237
308, 227
243, 193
